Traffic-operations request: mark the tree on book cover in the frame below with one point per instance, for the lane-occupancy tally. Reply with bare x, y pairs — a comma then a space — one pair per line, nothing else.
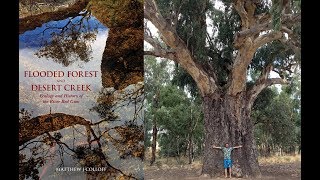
81, 89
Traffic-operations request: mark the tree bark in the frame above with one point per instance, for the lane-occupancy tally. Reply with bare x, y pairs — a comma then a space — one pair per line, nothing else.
154, 142
122, 60
227, 120
39, 125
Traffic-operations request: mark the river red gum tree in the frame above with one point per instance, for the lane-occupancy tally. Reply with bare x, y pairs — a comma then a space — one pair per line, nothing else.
226, 107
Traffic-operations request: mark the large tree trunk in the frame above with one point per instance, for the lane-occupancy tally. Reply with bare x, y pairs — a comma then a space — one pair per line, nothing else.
154, 142
227, 120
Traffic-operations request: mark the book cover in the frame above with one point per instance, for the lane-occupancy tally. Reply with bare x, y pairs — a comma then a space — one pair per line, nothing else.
81, 89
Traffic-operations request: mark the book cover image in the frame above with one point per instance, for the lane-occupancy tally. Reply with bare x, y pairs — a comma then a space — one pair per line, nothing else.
81, 89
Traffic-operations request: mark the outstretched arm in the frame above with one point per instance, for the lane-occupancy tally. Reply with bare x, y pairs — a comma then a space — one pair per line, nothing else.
237, 147
215, 147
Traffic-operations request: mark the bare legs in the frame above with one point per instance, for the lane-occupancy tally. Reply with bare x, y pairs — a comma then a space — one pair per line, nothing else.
226, 172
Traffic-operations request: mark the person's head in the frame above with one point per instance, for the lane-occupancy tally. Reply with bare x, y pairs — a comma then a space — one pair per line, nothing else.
227, 145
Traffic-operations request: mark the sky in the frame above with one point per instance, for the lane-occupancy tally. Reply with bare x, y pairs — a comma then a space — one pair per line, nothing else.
31, 100
29, 44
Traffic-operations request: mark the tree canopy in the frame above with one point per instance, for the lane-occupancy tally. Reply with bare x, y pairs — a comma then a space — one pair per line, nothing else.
213, 37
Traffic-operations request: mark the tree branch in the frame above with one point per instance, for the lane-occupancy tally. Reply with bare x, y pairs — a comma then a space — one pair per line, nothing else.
238, 76
263, 23
158, 50
34, 21
292, 41
245, 9
111, 169
153, 42
253, 30
263, 18
290, 19
263, 82
292, 45
161, 54
59, 142
239, 7
266, 38
273, 81
205, 82
248, 40
39, 125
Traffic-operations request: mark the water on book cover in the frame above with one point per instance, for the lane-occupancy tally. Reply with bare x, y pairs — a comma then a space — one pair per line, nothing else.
74, 123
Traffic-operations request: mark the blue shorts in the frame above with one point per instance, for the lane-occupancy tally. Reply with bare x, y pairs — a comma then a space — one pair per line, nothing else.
227, 163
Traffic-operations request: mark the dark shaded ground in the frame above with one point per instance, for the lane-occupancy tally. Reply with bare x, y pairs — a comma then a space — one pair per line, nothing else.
280, 171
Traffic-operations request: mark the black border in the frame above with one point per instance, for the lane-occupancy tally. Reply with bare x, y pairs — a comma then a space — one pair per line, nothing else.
10, 86
309, 90
309, 105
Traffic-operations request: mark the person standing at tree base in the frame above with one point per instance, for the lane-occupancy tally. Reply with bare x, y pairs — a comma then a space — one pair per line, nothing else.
227, 162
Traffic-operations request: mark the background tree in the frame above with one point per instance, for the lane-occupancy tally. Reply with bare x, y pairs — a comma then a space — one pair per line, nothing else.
155, 77
219, 61
177, 117
180, 120
277, 120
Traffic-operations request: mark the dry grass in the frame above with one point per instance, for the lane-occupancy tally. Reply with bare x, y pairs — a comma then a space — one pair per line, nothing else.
172, 163
275, 168
168, 163
280, 159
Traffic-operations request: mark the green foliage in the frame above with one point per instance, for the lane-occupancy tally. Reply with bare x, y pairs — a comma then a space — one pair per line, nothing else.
225, 25
216, 48
273, 52
70, 43
264, 99
155, 77
192, 29
277, 118
296, 4
281, 57
182, 79
29, 165
283, 5
179, 118
282, 115
191, 24
147, 126
275, 115
277, 6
